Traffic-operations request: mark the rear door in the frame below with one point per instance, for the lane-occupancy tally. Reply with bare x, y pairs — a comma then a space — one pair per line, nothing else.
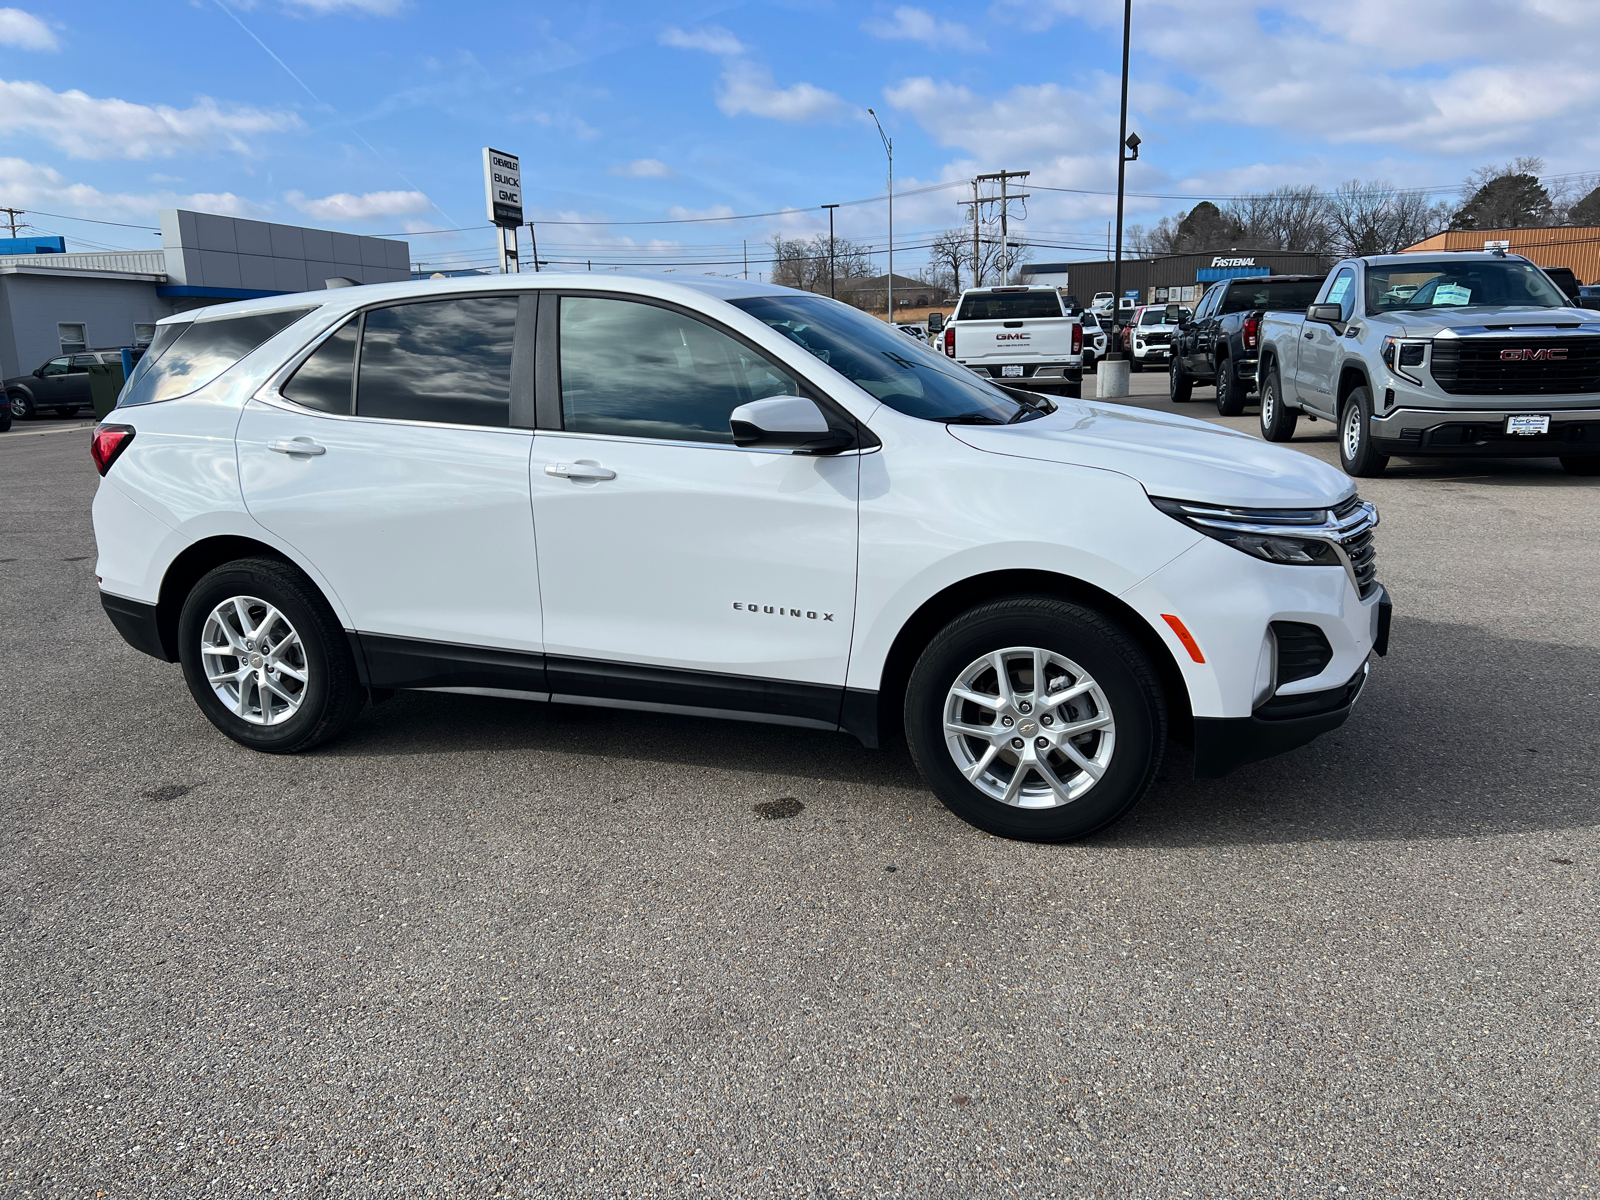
391, 461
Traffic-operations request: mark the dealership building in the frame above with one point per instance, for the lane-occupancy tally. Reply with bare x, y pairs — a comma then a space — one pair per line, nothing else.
1172, 278
54, 301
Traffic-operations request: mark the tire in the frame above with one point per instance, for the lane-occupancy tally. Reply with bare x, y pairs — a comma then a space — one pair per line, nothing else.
1230, 392
69, 411
1136, 365
1278, 420
1356, 454
1084, 647
287, 715
21, 407
1088, 362
1180, 388
1581, 466
5, 417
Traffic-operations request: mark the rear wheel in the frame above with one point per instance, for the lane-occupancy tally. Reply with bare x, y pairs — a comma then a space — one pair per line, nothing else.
1356, 454
21, 407
1088, 362
1581, 466
1230, 391
1277, 418
1037, 719
265, 657
1180, 388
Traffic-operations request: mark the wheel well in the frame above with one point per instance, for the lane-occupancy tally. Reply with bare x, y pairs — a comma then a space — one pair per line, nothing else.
1349, 380
940, 609
187, 569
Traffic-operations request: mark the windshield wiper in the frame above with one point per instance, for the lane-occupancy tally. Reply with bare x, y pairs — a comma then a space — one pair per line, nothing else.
973, 418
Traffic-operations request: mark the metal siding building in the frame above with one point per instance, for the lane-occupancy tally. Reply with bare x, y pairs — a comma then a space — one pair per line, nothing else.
203, 260
1576, 247
1155, 278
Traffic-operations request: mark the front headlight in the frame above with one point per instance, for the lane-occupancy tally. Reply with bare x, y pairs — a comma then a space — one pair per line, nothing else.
1300, 537
1400, 353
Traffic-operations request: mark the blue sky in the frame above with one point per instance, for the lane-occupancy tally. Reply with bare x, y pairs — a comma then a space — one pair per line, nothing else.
369, 115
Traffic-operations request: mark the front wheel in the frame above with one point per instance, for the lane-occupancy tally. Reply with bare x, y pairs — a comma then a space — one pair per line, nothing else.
1135, 365
1180, 388
21, 407
1036, 719
1088, 362
1581, 466
1277, 418
1356, 453
265, 657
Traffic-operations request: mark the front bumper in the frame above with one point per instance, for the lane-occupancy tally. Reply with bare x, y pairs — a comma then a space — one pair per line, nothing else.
1223, 743
1480, 432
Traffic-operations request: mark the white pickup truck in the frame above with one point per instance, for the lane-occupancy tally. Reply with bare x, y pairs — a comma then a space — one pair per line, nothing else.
1024, 335
1471, 354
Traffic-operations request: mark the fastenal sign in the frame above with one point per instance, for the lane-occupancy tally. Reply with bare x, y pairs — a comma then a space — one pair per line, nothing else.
1232, 262
502, 187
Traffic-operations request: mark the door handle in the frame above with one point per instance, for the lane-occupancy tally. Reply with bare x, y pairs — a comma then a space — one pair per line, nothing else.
1310, 335
299, 445
578, 471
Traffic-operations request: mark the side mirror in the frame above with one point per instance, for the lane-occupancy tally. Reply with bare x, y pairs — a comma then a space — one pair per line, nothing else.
935, 322
1174, 314
787, 422
38, 372
1328, 314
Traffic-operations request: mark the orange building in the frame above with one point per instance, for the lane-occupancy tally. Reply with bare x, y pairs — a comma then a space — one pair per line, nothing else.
1574, 246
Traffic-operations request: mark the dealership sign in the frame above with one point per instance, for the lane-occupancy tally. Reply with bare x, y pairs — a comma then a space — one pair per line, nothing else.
502, 186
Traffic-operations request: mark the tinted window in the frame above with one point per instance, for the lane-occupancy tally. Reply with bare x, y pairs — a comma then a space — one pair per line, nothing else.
908, 377
56, 366
1010, 306
1462, 283
643, 371
82, 362
1289, 296
200, 353
324, 381
444, 360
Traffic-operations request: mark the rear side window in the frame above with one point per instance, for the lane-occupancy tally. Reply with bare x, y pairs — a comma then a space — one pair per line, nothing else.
441, 360
199, 353
1010, 306
326, 380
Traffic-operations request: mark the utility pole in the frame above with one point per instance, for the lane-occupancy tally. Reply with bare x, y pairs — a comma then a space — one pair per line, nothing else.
832, 253
534, 243
1004, 200
13, 214
888, 148
746, 244
977, 249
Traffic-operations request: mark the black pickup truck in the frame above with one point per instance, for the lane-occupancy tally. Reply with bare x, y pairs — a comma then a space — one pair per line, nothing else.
1220, 343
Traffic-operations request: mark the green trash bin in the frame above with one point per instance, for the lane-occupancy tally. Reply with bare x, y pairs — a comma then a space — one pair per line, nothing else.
105, 385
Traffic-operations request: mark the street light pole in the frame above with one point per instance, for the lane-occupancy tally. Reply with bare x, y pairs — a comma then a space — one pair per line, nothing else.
888, 148
831, 255
1122, 172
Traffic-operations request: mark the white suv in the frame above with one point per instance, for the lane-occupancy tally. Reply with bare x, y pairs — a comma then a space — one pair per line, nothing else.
724, 499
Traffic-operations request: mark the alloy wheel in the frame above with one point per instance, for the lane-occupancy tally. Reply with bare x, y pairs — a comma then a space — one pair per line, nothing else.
1029, 727
1352, 431
254, 660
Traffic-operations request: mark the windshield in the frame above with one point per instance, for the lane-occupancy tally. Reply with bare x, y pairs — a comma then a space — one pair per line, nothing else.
1156, 316
906, 375
1469, 283
1287, 296
1009, 306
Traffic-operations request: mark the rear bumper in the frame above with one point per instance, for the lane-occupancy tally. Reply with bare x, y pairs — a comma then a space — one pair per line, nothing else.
136, 622
1040, 372
1422, 433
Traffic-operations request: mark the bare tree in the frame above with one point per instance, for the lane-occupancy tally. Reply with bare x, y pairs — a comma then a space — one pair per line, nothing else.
1377, 218
948, 255
806, 265
1286, 218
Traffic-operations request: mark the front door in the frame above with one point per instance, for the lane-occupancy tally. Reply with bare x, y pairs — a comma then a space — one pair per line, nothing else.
389, 462
53, 384
1314, 384
676, 568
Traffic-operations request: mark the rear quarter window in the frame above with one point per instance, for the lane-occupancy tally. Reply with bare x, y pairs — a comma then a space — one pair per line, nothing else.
198, 353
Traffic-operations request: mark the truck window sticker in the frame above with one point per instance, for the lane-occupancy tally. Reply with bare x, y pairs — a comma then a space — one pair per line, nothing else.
1452, 294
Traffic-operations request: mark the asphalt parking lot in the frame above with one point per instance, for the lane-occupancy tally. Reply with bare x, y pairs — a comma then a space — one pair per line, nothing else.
489, 948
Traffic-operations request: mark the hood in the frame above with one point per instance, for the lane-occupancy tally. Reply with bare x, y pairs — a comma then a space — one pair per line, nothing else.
1172, 456
1464, 322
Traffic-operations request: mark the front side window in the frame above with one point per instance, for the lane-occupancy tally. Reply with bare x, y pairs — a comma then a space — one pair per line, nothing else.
1342, 291
639, 370
439, 360
1462, 283
56, 366
907, 376
195, 354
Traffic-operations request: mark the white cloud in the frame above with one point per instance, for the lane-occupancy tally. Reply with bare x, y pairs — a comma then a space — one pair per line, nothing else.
713, 39
679, 213
919, 25
643, 168
374, 8
343, 206
748, 88
25, 31
85, 126
29, 185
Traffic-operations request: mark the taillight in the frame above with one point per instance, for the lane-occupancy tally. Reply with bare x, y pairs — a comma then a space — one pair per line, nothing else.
1252, 331
1077, 339
108, 443
950, 340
